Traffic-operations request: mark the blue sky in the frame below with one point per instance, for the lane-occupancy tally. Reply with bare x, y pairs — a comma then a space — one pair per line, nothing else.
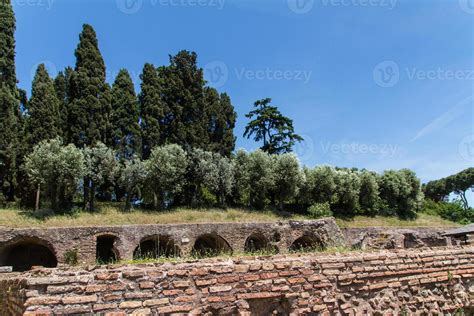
376, 84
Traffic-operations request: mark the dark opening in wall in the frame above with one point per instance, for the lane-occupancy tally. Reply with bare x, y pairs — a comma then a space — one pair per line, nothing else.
105, 249
306, 244
26, 253
269, 306
155, 247
259, 243
210, 245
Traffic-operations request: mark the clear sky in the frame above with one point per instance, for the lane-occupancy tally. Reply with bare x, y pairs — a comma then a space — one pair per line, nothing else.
376, 84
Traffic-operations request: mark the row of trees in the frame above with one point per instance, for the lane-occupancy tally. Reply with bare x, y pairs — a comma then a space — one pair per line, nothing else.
459, 184
174, 106
172, 176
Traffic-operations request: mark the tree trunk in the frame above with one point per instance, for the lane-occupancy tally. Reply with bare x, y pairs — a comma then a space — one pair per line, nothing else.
155, 201
38, 193
128, 199
92, 197
280, 204
86, 193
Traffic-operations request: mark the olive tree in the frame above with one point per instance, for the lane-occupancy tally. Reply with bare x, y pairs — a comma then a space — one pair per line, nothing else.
260, 177
166, 169
369, 199
132, 176
101, 167
241, 191
345, 200
287, 177
56, 167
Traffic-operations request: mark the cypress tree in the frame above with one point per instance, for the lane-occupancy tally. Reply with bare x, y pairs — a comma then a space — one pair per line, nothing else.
43, 109
186, 122
222, 119
125, 117
152, 110
8, 101
62, 89
89, 109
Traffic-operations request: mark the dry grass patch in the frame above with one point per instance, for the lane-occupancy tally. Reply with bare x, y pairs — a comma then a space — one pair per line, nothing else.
423, 220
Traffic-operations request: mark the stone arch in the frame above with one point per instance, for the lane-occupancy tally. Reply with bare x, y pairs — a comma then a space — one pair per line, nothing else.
106, 251
24, 252
210, 245
156, 246
306, 243
258, 242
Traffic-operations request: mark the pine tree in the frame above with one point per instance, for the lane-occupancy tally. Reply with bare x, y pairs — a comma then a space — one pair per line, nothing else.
152, 109
9, 102
89, 109
43, 109
222, 117
125, 117
186, 121
269, 125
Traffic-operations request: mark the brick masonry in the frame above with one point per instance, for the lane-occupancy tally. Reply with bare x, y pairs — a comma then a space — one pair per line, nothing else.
397, 282
83, 240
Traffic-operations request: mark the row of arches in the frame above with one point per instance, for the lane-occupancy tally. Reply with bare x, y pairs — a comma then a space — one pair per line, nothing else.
24, 253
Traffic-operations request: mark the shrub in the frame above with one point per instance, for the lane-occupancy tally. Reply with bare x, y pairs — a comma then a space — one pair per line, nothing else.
71, 257
318, 210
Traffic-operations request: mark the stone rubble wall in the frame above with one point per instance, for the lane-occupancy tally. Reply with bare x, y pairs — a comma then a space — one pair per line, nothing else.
399, 282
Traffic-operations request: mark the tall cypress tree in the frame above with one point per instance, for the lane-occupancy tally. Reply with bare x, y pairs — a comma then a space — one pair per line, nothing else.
125, 117
43, 109
152, 110
186, 122
222, 117
89, 109
8, 101
62, 89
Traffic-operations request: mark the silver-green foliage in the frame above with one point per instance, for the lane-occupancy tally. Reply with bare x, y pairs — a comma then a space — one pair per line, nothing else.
166, 169
132, 177
287, 176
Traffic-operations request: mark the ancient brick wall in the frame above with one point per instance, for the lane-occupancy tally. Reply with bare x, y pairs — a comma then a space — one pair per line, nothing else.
12, 297
405, 282
55, 243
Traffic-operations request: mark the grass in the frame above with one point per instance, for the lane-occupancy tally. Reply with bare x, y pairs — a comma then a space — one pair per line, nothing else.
226, 255
110, 214
423, 220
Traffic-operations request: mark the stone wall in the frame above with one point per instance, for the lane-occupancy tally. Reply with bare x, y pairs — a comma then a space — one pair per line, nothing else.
396, 238
54, 245
404, 282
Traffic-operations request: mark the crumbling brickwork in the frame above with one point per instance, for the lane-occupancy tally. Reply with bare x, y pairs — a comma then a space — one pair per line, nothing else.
55, 244
402, 282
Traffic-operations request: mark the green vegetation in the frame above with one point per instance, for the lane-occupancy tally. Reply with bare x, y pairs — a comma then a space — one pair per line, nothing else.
113, 214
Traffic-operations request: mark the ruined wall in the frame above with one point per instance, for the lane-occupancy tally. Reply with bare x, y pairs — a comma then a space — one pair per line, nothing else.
12, 296
55, 243
395, 238
405, 282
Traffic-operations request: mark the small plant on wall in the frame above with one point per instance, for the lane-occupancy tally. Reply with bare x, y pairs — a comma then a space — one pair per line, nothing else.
71, 257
